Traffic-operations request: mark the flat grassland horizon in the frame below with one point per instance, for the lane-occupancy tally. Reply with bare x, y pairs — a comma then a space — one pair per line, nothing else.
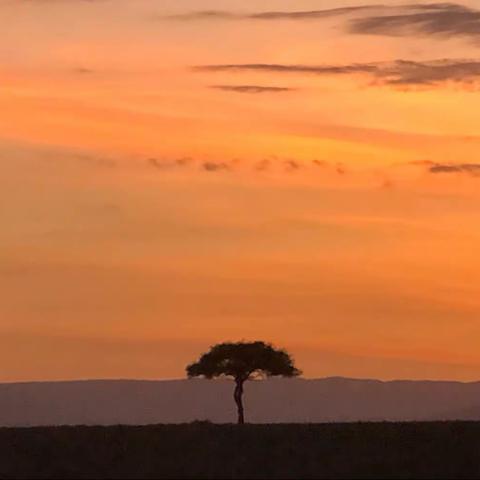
205, 450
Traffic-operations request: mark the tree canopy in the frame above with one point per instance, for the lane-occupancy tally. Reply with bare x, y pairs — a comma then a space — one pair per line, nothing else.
243, 361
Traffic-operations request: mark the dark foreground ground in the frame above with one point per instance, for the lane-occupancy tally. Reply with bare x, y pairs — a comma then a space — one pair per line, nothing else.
202, 450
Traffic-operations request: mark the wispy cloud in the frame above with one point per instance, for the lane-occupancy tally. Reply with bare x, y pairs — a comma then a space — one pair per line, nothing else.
273, 165
163, 164
271, 15
437, 19
251, 89
398, 73
443, 19
279, 68
83, 71
204, 15
431, 166
440, 19
216, 166
468, 168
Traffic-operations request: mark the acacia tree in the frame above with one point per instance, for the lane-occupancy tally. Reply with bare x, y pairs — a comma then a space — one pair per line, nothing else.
243, 361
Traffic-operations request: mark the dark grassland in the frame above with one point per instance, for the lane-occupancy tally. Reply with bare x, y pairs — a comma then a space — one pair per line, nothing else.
203, 450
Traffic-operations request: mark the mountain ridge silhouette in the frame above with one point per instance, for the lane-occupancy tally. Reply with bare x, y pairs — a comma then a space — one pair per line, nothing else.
141, 402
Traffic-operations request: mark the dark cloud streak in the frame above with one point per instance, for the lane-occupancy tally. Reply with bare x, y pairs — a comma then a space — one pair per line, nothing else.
472, 169
442, 19
278, 68
272, 15
216, 166
251, 89
272, 165
401, 73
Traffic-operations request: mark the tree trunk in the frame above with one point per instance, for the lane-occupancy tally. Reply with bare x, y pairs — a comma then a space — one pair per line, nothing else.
238, 400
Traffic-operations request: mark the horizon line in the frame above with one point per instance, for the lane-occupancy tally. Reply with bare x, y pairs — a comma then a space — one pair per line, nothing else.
178, 379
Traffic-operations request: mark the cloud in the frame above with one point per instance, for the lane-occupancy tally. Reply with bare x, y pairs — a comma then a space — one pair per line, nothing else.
262, 165
292, 165
274, 165
187, 162
472, 169
404, 72
160, 164
83, 71
311, 14
216, 166
398, 73
444, 19
271, 15
168, 164
251, 89
437, 19
468, 168
278, 68
204, 15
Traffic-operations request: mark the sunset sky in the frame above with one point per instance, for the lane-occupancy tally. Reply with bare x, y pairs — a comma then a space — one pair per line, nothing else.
175, 173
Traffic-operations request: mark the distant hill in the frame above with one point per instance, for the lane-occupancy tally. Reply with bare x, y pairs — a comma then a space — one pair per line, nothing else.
109, 402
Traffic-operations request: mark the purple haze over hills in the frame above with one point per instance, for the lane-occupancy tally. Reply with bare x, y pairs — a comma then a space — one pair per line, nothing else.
109, 402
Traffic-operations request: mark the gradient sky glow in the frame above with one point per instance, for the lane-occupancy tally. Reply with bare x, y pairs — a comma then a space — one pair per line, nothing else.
176, 173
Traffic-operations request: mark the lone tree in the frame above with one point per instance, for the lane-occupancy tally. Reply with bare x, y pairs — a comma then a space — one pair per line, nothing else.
243, 361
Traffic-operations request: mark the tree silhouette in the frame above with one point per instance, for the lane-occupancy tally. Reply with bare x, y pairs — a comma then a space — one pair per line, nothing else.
243, 361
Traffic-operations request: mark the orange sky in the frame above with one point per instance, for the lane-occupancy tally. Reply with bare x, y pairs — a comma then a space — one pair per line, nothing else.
180, 173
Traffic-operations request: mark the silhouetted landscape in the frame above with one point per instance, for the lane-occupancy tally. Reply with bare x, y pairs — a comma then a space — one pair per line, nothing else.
244, 198
203, 450
129, 402
325, 428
